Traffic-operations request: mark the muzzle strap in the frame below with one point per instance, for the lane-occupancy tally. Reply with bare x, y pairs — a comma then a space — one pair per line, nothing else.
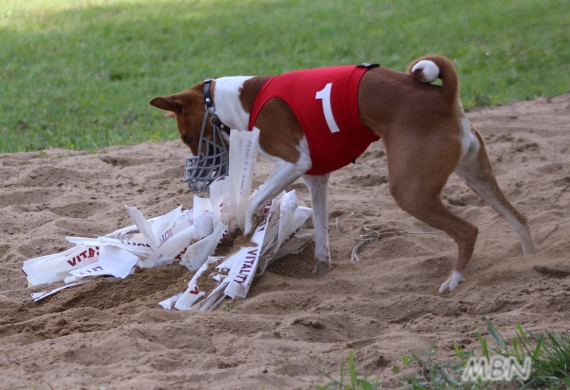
211, 107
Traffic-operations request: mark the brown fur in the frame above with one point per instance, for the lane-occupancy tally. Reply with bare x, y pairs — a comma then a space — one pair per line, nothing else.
250, 90
188, 107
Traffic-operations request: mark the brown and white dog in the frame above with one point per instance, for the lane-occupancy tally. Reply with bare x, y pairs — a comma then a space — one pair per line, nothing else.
424, 129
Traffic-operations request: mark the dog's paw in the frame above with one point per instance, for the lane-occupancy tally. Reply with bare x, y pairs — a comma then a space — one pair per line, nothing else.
321, 268
452, 282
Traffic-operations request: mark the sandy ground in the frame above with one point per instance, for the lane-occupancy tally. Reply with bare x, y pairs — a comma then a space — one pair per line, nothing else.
112, 333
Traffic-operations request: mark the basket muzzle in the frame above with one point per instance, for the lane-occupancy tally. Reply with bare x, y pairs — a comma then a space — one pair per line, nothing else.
212, 160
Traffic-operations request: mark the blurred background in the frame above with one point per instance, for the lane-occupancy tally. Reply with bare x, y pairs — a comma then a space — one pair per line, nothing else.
79, 74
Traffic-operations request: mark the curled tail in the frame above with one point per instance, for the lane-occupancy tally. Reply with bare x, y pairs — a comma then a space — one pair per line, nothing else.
429, 68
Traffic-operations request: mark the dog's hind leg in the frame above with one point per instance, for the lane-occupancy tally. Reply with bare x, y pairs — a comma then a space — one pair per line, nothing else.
428, 208
476, 171
417, 174
318, 187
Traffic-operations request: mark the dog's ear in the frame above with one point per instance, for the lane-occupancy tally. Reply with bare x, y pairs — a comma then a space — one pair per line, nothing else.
170, 114
166, 103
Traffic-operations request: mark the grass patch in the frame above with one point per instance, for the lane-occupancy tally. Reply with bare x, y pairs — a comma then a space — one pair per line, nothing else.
78, 74
353, 382
549, 354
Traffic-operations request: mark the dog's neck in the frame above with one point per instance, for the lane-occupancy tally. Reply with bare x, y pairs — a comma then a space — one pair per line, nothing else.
229, 108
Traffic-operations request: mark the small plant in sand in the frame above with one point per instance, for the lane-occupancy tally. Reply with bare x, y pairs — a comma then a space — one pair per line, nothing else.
354, 382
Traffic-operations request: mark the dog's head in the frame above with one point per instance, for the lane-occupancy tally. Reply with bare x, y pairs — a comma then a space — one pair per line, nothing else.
206, 141
188, 109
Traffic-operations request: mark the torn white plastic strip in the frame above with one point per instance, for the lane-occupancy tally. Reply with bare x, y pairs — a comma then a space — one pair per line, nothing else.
90, 270
140, 247
243, 155
295, 244
116, 261
207, 303
193, 293
163, 226
184, 221
198, 253
44, 294
170, 251
202, 214
219, 197
56, 267
184, 300
245, 265
189, 297
143, 225
168, 303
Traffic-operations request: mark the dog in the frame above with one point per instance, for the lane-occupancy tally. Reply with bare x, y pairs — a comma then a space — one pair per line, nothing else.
423, 126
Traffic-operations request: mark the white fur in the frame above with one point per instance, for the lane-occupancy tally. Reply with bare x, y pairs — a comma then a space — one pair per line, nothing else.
429, 69
469, 141
228, 105
452, 282
317, 185
284, 174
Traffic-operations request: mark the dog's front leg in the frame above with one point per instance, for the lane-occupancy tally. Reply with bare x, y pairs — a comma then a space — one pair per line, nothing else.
284, 174
318, 187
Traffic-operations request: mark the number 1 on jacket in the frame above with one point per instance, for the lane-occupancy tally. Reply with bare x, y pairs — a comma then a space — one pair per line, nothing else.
325, 96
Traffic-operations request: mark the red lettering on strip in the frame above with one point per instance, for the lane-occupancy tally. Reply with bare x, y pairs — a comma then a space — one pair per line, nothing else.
74, 261
196, 290
243, 278
166, 235
134, 243
179, 256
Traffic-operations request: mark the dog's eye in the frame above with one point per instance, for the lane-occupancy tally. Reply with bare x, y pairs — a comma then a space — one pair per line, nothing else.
187, 139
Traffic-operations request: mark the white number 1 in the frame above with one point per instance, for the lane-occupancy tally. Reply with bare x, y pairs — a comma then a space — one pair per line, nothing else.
325, 96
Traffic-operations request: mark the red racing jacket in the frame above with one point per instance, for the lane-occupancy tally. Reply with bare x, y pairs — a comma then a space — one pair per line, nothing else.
325, 102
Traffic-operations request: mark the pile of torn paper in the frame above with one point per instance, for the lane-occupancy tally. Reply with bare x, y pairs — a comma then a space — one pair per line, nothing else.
189, 237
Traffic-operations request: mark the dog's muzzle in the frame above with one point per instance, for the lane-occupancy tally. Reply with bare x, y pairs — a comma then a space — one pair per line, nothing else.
212, 159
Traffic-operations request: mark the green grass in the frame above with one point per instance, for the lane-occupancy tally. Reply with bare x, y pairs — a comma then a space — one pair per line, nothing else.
353, 383
549, 353
78, 74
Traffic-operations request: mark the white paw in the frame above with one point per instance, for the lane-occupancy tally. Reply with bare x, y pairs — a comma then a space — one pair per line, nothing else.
452, 282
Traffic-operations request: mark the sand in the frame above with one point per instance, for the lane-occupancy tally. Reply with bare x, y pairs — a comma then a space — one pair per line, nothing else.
112, 333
